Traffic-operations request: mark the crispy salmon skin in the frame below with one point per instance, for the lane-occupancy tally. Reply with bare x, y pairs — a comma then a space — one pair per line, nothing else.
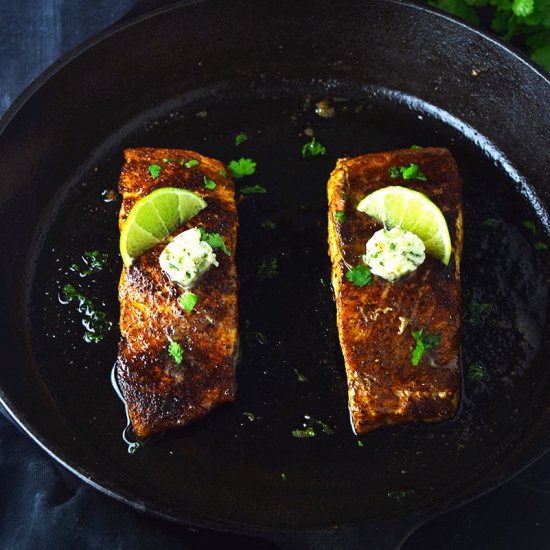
159, 393
376, 322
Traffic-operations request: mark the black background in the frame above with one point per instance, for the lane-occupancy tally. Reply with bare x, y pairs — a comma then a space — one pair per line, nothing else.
43, 506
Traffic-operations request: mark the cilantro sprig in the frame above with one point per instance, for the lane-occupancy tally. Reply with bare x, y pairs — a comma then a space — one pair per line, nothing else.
176, 351
313, 149
359, 275
252, 189
526, 22
242, 167
215, 240
188, 301
241, 137
424, 341
411, 172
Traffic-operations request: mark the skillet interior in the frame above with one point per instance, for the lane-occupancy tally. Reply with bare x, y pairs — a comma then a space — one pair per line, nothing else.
228, 467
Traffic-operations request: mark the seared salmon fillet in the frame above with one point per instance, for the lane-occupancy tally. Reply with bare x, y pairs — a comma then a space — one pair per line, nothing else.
159, 393
376, 322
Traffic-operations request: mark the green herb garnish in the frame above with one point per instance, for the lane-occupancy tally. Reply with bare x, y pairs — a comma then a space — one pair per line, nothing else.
490, 222
215, 240
283, 476
188, 301
176, 351
165, 160
531, 226
154, 170
209, 184
478, 312
400, 495
94, 262
303, 433
299, 376
359, 275
313, 149
476, 371
250, 416
222, 173
340, 216
95, 322
268, 268
416, 147
242, 167
240, 138
191, 163
269, 224
423, 341
411, 172
360, 443
251, 189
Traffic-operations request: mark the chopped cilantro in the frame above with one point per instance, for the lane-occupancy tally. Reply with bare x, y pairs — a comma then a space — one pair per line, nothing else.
251, 189
222, 173
411, 172
268, 268
209, 184
215, 240
359, 275
94, 262
165, 160
423, 341
478, 312
531, 226
360, 443
188, 301
134, 447
313, 149
476, 371
490, 222
415, 147
95, 322
242, 167
299, 376
303, 433
340, 216
154, 170
250, 416
191, 163
240, 138
176, 351
283, 476
268, 224
309, 428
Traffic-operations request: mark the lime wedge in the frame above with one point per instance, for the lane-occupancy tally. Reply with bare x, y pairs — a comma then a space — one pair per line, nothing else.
413, 211
154, 217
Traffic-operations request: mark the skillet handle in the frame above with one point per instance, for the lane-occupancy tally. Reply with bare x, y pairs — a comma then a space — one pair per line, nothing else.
390, 535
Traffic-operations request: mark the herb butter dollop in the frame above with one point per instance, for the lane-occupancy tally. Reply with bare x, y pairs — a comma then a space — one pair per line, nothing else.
394, 253
186, 258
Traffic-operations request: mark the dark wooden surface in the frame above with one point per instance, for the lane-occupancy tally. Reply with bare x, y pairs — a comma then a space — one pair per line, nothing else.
34, 34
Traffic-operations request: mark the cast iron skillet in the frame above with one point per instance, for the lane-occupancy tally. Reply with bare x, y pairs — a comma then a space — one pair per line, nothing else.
193, 76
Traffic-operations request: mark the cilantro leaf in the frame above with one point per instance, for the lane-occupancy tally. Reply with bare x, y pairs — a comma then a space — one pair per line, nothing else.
154, 170
299, 376
240, 138
523, 8
223, 173
424, 341
188, 301
340, 216
313, 149
359, 275
251, 189
176, 351
476, 371
268, 268
191, 163
94, 262
242, 167
407, 172
416, 147
209, 184
215, 240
